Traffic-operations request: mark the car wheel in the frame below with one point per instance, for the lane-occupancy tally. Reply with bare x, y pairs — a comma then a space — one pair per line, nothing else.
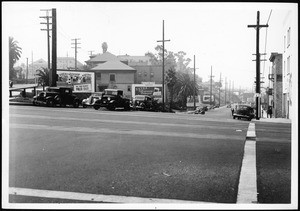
50, 103
111, 107
84, 106
96, 107
76, 104
233, 117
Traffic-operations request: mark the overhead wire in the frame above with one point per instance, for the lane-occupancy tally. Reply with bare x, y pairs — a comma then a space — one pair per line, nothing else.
266, 37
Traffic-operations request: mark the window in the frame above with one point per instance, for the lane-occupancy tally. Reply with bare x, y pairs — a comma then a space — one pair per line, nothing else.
98, 76
152, 74
145, 74
288, 37
129, 88
112, 77
140, 74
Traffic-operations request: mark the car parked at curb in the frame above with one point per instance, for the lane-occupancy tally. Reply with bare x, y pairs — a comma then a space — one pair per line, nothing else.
44, 98
243, 111
112, 99
53, 96
90, 101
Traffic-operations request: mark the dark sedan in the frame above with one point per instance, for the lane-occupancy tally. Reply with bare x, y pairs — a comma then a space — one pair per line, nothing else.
243, 111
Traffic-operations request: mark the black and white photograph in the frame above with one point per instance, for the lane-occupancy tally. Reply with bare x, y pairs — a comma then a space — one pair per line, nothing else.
149, 105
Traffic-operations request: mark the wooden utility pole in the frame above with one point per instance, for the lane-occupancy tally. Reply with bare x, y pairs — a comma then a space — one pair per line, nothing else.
225, 89
163, 65
91, 53
220, 90
53, 77
195, 82
76, 43
211, 76
27, 71
47, 17
257, 94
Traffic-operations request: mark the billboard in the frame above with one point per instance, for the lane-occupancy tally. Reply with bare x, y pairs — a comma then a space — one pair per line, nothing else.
80, 81
147, 89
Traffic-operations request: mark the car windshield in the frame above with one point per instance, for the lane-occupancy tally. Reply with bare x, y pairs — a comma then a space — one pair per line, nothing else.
109, 92
139, 97
244, 107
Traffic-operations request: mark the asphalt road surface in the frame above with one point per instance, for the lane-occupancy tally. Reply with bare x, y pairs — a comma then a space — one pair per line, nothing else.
126, 153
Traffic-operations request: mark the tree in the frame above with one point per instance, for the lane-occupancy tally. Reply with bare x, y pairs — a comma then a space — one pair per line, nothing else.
181, 61
171, 80
184, 86
14, 55
44, 76
104, 47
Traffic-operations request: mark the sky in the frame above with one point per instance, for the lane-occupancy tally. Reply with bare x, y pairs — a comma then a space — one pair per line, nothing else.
216, 33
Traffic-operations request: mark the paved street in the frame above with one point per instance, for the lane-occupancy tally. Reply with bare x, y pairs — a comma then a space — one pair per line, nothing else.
274, 162
141, 154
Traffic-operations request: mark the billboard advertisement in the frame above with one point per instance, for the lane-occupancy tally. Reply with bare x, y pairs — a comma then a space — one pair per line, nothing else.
150, 89
80, 81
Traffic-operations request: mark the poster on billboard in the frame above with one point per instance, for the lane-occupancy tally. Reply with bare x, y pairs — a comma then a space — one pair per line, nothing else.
80, 81
147, 89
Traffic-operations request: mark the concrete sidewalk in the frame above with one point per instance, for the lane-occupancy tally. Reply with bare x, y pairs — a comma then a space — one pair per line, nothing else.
274, 120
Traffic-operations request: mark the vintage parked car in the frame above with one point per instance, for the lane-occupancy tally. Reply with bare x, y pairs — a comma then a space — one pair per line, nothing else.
112, 99
243, 111
139, 101
90, 101
61, 96
44, 98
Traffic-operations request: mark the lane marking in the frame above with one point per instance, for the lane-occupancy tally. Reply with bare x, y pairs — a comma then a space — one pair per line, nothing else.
124, 132
247, 190
92, 197
119, 122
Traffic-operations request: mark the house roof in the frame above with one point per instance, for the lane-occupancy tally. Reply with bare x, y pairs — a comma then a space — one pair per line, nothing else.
104, 57
112, 65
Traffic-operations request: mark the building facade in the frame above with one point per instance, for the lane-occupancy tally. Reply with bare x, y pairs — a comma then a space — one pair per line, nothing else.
114, 75
275, 89
290, 63
148, 73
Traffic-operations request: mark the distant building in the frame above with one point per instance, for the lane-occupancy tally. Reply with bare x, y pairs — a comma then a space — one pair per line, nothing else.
101, 58
135, 60
148, 73
41, 63
114, 74
68, 63
275, 90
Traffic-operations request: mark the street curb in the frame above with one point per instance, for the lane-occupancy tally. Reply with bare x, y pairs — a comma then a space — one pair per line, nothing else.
251, 135
247, 189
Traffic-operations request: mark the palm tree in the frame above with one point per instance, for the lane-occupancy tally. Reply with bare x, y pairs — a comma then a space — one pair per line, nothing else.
44, 75
14, 55
184, 86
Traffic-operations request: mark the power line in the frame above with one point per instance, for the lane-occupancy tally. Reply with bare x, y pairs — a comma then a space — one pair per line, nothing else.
266, 42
